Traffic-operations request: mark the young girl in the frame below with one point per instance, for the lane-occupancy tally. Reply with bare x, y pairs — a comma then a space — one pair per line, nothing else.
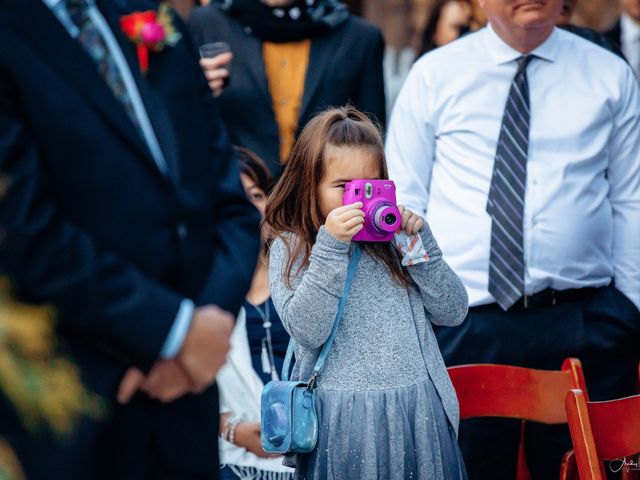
386, 406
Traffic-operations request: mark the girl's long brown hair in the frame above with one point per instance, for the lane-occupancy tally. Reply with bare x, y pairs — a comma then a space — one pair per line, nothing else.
293, 206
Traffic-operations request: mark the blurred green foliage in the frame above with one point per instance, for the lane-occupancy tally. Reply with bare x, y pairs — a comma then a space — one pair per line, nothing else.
44, 388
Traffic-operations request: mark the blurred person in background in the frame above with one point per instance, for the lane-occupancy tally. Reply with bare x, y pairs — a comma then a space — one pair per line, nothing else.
564, 22
479, 17
521, 143
258, 347
449, 20
626, 33
291, 59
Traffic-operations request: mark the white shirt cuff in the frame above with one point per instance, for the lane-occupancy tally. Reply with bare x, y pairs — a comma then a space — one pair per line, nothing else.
179, 329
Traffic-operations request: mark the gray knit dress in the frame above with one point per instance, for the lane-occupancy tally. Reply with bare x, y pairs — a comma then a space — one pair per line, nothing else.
386, 406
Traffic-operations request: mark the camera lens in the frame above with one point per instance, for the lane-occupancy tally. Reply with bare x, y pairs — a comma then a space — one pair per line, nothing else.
386, 217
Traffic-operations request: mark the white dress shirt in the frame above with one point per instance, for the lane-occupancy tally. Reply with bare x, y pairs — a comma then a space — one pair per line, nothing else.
582, 200
181, 325
630, 42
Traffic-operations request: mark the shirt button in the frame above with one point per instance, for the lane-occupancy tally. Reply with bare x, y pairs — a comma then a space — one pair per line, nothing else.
535, 182
182, 230
283, 63
283, 102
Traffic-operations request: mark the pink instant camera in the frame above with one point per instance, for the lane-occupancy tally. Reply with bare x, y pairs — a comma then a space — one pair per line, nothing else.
381, 215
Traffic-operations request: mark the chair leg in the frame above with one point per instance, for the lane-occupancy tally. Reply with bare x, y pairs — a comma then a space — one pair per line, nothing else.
523, 469
569, 468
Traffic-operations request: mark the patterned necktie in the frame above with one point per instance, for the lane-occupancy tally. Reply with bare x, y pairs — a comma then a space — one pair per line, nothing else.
505, 204
93, 43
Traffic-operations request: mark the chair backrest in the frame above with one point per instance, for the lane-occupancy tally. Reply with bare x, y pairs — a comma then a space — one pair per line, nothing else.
604, 431
486, 390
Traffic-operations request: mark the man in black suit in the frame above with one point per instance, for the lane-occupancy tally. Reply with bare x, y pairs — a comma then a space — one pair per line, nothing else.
124, 211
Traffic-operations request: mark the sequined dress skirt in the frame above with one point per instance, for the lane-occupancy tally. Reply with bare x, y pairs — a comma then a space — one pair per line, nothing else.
395, 434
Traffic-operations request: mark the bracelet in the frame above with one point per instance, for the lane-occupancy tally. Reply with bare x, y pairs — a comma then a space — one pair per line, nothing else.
232, 431
229, 433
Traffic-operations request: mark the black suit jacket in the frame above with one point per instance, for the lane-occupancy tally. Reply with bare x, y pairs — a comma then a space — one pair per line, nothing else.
91, 226
345, 66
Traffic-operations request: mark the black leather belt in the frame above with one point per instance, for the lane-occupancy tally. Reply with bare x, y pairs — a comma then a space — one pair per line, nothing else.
550, 297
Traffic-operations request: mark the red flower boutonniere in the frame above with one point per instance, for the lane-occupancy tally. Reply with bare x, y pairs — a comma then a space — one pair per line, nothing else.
150, 31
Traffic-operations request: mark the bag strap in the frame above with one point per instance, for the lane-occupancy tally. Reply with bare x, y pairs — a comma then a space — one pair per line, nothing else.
351, 272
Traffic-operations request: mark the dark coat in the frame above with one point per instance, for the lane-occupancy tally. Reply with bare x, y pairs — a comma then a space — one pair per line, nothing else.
345, 66
91, 226
596, 37
614, 36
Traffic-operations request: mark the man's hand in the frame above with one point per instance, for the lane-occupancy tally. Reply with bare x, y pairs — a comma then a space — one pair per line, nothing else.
206, 346
130, 384
167, 381
203, 352
215, 71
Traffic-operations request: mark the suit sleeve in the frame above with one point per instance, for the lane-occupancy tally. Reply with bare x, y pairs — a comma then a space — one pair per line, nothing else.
236, 239
205, 26
371, 97
50, 260
196, 24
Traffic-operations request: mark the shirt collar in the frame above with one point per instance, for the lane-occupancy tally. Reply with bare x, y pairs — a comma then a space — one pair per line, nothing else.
630, 29
500, 52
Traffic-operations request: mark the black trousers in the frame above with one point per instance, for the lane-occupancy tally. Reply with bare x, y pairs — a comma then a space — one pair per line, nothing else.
603, 331
123, 448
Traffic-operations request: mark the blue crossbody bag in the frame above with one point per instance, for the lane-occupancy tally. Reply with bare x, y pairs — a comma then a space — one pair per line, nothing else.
288, 409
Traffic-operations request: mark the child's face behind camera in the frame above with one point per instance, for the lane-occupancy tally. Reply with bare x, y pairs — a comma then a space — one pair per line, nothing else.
343, 164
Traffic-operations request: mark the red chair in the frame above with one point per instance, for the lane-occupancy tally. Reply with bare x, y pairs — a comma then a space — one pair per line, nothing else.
605, 431
515, 392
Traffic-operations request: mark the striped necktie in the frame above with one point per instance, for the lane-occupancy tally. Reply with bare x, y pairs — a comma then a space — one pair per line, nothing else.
93, 43
505, 203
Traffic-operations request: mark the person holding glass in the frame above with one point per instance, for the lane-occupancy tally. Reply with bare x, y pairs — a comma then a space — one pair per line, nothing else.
291, 59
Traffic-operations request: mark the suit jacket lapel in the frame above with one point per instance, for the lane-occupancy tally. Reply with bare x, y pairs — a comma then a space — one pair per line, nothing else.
38, 25
321, 50
154, 104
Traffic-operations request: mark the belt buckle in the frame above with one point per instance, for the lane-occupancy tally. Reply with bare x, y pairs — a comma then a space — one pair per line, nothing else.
525, 301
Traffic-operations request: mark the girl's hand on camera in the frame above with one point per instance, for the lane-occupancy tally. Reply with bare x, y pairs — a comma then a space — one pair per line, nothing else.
344, 222
411, 222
